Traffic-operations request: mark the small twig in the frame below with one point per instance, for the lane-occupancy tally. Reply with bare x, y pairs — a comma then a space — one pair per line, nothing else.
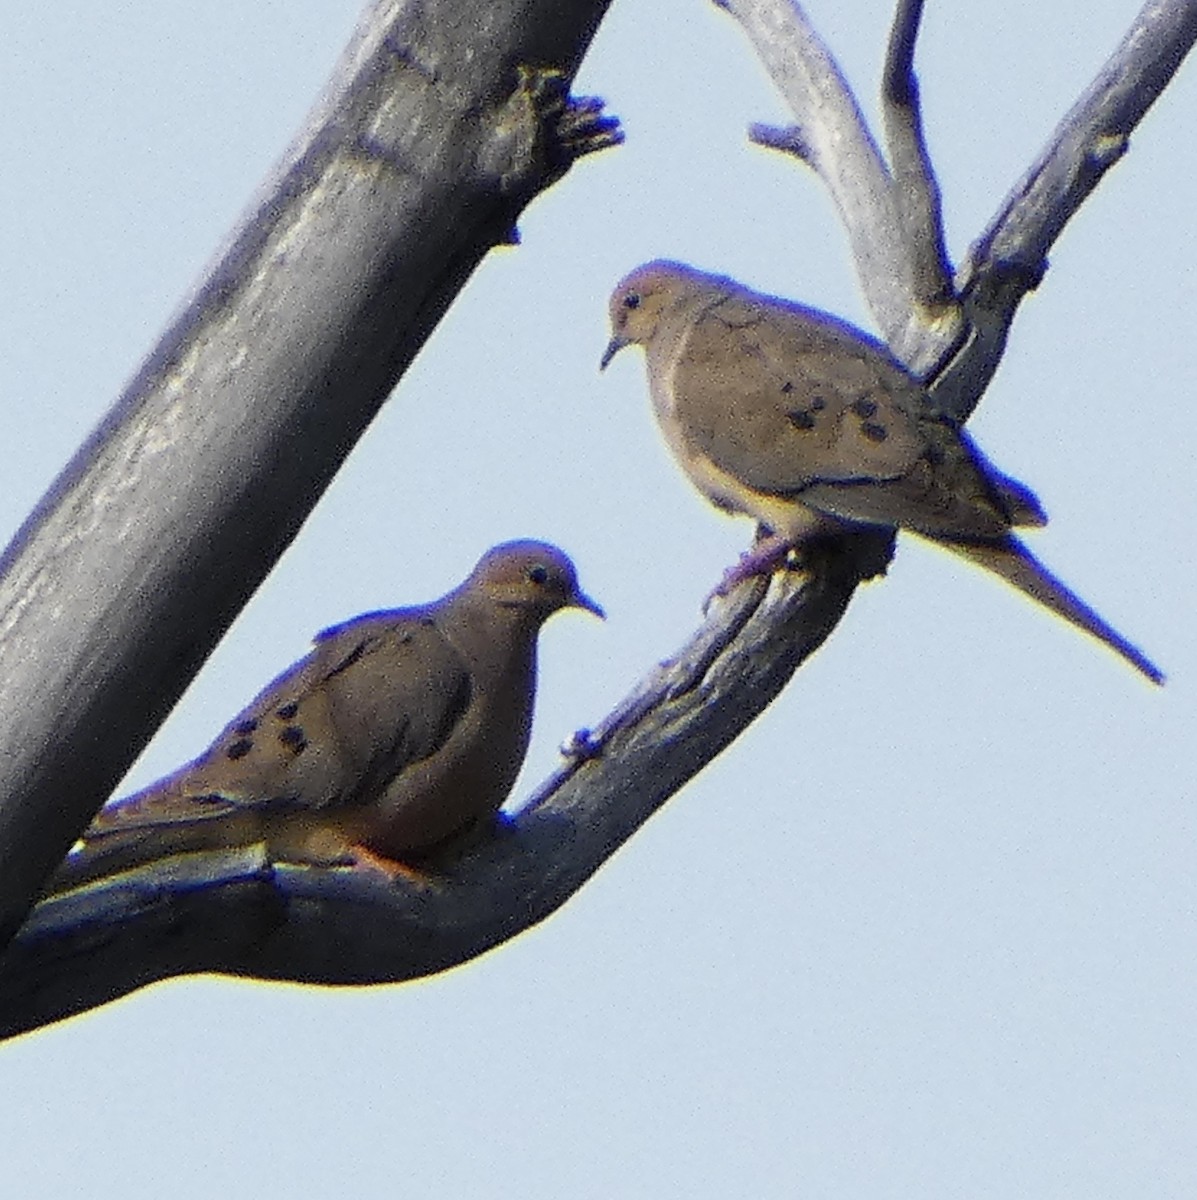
916, 192
832, 138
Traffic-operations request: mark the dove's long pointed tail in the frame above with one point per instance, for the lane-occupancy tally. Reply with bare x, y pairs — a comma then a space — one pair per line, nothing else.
121, 848
1010, 559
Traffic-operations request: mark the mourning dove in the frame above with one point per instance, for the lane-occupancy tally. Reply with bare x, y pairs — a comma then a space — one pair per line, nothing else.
812, 427
399, 730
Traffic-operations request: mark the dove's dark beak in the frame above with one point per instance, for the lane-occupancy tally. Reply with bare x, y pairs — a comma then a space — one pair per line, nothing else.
614, 346
580, 600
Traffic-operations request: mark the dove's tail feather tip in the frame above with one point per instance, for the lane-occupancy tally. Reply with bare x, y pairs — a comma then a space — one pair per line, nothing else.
1128, 653
1009, 559
1144, 664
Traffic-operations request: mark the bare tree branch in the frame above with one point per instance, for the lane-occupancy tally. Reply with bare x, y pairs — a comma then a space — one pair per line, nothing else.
833, 139
1010, 258
916, 192
242, 915
443, 119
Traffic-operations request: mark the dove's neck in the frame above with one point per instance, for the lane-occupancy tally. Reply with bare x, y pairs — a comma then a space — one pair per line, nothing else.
668, 343
499, 645
498, 642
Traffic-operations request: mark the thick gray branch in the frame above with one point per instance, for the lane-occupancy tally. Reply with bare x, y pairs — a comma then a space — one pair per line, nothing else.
439, 125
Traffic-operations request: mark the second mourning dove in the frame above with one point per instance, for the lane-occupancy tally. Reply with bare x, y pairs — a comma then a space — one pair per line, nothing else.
811, 426
399, 730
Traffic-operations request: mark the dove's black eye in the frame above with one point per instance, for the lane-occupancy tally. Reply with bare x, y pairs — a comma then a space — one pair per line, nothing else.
538, 575
632, 300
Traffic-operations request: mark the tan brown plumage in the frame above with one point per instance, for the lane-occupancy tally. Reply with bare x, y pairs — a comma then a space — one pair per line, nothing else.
399, 730
811, 426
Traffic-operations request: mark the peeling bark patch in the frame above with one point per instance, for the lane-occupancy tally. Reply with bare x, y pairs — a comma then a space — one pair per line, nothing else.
240, 748
293, 738
801, 419
873, 431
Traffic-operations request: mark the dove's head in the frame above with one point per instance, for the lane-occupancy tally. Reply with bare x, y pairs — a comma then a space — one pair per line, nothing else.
646, 297
533, 578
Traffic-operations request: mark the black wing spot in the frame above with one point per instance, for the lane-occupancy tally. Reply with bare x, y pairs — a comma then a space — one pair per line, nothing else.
817, 404
239, 749
248, 726
864, 408
874, 432
801, 419
346, 662
787, 387
294, 738
287, 711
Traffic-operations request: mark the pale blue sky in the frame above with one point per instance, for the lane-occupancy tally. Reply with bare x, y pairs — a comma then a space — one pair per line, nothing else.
927, 929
